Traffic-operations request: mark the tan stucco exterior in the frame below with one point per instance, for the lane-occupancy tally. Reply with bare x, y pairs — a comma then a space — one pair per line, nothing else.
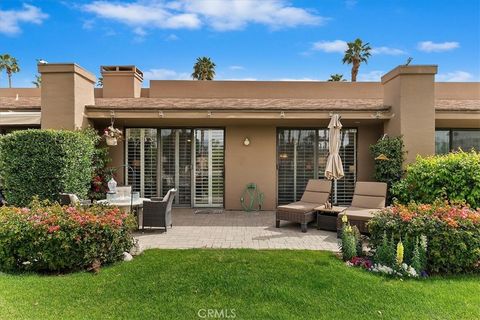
407, 102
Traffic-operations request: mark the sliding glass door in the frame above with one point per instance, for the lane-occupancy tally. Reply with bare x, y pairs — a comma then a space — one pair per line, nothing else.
209, 168
302, 155
189, 160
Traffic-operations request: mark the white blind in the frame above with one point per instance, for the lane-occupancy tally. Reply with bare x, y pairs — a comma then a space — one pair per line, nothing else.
142, 150
302, 155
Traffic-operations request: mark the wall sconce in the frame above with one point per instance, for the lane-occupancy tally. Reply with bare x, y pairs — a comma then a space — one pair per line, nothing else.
160, 114
382, 157
246, 142
282, 115
209, 114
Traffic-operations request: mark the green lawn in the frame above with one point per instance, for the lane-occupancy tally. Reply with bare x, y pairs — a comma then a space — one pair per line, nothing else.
176, 284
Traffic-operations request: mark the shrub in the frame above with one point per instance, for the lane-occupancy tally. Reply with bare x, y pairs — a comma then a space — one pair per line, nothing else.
391, 170
351, 241
51, 238
454, 176
45, 163
452, 232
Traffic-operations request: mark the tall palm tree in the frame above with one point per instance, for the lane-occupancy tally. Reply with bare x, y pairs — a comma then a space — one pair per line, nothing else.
10, 64
336, 77
204, 69
38, 81
100, 82
356, 53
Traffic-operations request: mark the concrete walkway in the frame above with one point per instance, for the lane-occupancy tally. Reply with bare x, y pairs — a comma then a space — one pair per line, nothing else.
234, 229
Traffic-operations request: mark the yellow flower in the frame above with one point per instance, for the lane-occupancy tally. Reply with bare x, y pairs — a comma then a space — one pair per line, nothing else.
344, 218
399, 253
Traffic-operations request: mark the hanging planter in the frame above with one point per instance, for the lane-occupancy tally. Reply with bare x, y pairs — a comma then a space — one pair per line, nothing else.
112, 135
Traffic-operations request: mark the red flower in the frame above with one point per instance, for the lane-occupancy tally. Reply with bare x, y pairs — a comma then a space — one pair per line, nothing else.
52, 229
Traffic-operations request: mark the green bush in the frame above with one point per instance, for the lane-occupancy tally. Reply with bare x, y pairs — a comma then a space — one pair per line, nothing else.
452, 232
51, 238
454, 176
45, 163
391, 170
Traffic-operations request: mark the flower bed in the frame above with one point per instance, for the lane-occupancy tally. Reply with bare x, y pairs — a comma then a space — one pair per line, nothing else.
451, 232
52, 238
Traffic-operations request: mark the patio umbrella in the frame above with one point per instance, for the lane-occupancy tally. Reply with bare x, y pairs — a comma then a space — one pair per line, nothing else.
334, 168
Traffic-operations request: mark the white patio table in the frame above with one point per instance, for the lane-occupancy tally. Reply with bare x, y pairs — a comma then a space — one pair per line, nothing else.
125, 203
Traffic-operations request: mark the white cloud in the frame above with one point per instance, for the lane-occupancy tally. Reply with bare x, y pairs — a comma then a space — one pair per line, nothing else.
374, 75
165, 74
330, 46
387, 51
10, 20
236, 68
221, 15
455, 76
429, 46
172, 37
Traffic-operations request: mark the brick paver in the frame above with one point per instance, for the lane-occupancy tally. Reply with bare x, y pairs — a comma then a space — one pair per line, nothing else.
234, 229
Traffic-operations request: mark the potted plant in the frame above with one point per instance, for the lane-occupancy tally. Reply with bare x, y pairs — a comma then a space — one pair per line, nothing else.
112, 135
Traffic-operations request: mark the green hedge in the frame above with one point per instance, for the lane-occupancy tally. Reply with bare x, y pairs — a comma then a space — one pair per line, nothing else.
51, 238
454, 176
45, 163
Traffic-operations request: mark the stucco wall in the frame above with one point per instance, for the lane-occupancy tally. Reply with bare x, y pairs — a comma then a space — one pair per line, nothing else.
254, 163
366, 136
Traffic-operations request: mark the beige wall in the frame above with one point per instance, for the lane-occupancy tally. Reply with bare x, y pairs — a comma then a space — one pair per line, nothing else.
66, 89
366, 136
264, 89
246, 164
411, 93
457, 90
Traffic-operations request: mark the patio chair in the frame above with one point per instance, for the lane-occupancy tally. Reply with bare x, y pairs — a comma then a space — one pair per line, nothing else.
70, 199
368, 198
157, 213
316, 194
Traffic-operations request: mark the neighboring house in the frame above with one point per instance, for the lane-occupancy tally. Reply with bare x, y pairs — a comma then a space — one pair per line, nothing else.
209, 139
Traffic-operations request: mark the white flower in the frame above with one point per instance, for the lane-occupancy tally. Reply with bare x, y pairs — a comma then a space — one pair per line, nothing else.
26, 262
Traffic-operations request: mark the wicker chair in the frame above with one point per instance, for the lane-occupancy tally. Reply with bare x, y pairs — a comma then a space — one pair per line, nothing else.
316, 194
70, 199
368, 198
157, 213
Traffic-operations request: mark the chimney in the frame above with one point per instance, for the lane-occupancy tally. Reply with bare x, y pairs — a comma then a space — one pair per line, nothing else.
121, 81
66, 89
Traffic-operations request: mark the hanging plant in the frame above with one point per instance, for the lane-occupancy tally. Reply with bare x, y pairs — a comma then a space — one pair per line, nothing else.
112, 135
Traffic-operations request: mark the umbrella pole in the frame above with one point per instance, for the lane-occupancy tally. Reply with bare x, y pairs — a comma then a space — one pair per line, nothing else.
335, 191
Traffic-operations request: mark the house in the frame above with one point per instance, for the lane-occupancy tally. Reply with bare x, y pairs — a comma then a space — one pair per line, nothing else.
209, 139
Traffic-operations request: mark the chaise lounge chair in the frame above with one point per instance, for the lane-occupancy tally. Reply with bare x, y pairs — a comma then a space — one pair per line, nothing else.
316, 194
368, 197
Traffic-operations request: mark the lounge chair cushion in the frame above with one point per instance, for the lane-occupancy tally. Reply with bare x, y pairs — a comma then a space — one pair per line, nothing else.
298, 207
317, 191
356, 213
369, 195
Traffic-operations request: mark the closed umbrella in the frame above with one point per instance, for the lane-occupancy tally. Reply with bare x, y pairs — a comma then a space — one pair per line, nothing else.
334, 168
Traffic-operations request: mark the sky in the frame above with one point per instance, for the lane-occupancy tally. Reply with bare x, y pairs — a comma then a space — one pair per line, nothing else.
247, 39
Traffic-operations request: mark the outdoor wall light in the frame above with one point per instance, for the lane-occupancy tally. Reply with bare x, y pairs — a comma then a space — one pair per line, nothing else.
282, 115
246, 142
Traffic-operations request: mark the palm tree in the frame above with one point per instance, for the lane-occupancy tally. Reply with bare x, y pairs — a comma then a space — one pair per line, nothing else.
10, 64
336, 77
204, 69
356, 53
38, 81
100, 82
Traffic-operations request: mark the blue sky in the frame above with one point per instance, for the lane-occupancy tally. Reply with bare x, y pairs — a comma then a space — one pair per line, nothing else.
247, 39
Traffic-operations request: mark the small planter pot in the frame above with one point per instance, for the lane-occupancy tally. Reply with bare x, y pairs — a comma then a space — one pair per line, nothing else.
111, 141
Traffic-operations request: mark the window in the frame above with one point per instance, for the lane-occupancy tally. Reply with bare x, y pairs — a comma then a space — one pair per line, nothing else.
447, 140
302, 155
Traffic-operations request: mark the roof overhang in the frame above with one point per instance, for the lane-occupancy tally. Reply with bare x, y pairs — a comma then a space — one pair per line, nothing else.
98, 113
14, 118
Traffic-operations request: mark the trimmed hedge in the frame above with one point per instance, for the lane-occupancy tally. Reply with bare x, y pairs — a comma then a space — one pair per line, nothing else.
52, 238
45, 163
452, 232
454, 176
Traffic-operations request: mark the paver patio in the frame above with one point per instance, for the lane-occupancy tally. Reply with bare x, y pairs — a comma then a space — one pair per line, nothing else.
234, 229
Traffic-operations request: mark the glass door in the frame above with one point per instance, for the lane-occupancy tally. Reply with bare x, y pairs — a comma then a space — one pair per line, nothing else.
176, 163
208, 168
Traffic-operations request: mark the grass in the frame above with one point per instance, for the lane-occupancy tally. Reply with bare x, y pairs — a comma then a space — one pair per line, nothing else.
176, 284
